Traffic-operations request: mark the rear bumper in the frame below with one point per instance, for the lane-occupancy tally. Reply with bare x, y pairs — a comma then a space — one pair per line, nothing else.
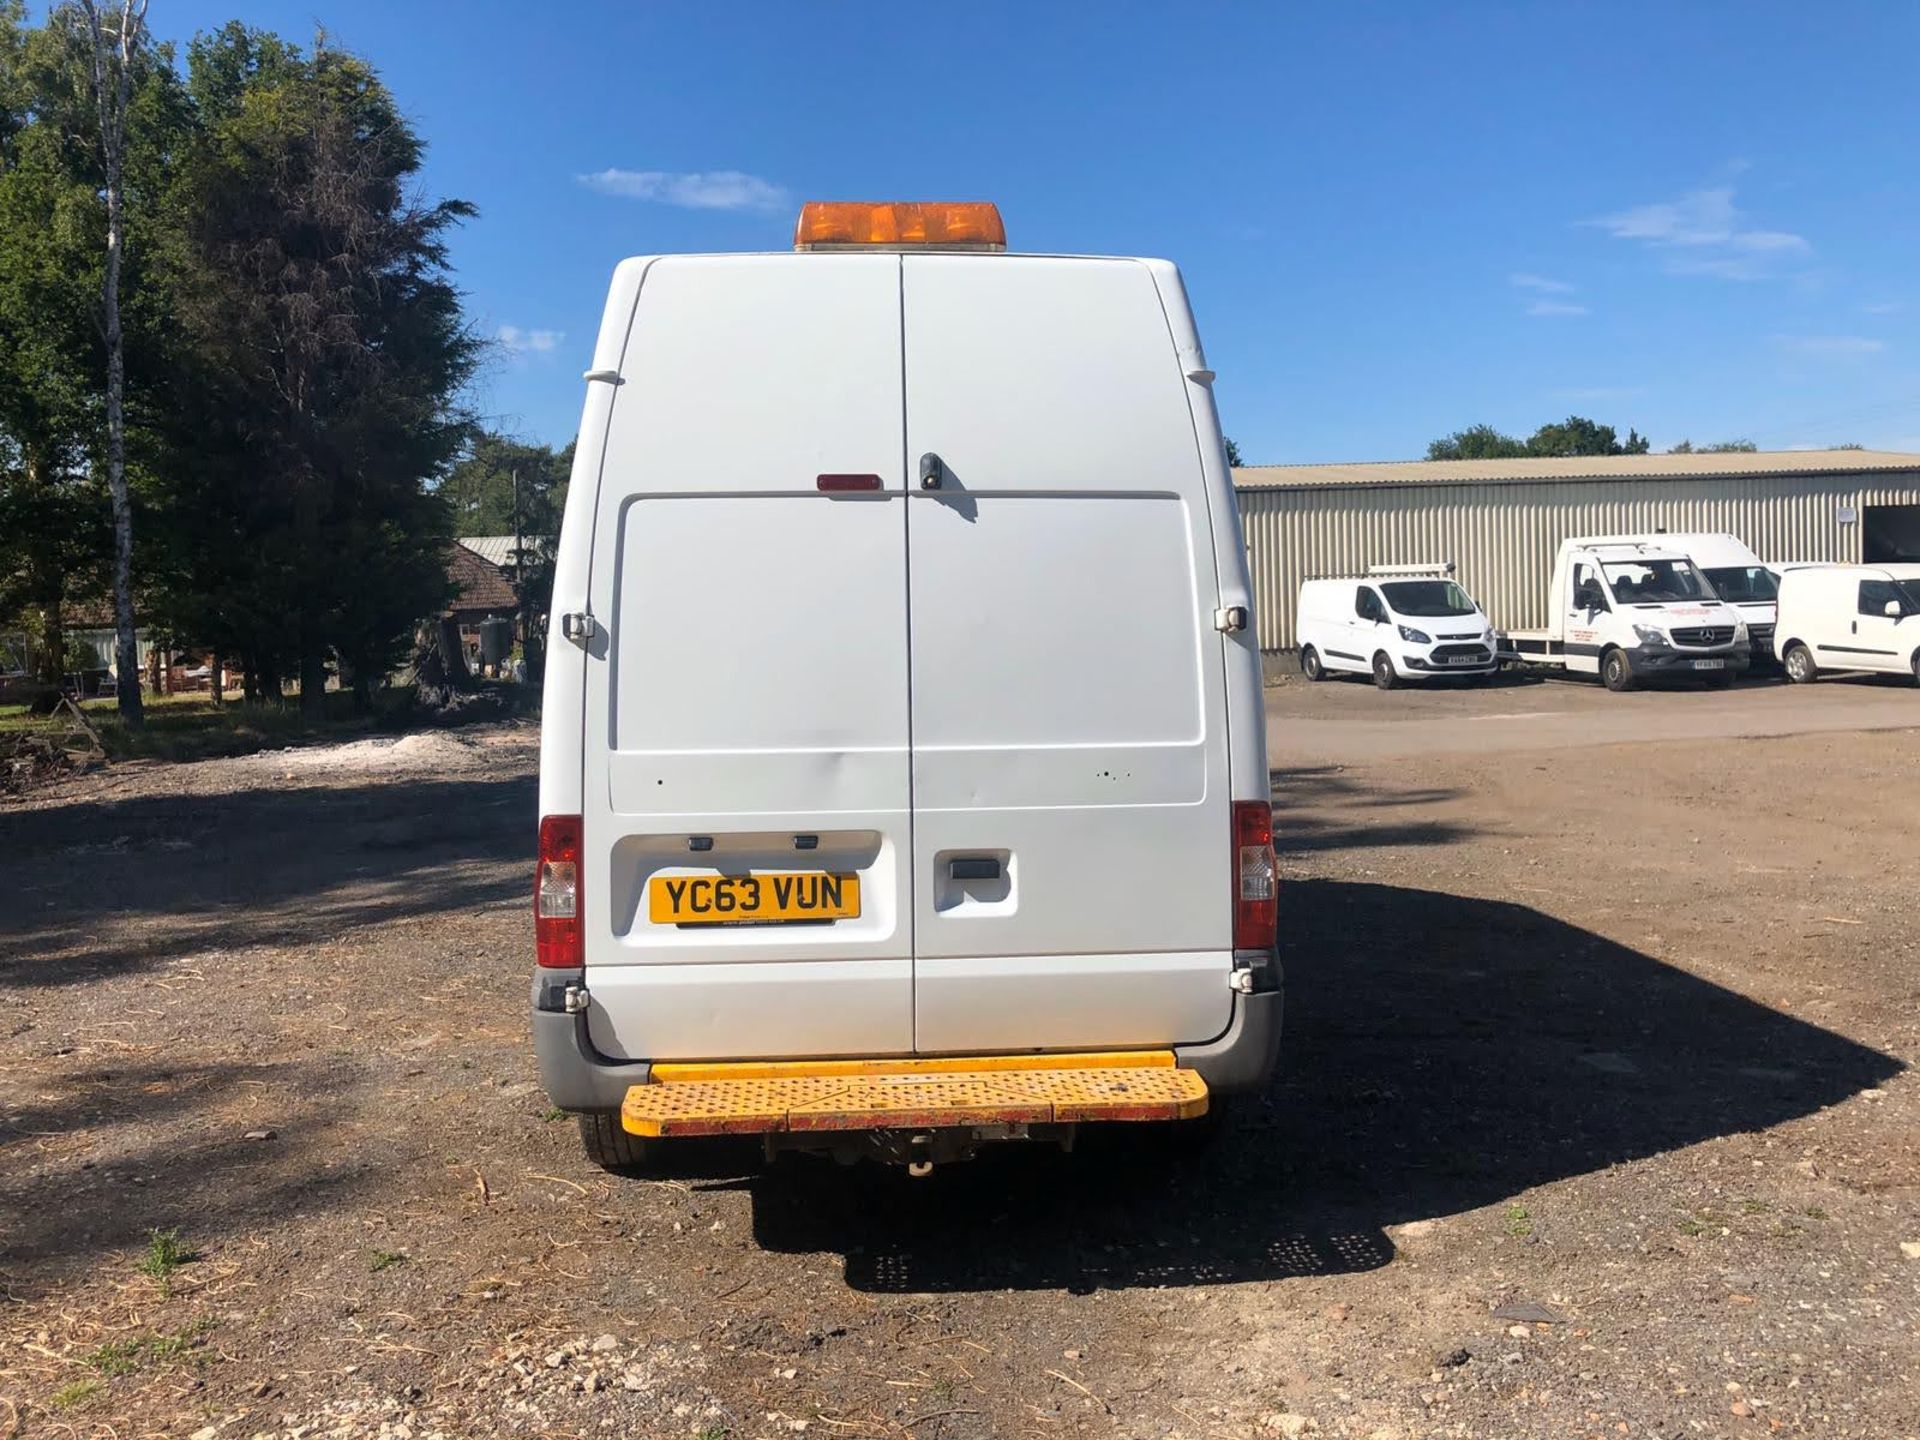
578, 1077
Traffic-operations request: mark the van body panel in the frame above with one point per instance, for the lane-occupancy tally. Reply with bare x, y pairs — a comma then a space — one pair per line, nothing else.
751, 680
751, 1009
1077, 1002
1006, 704
1068, 685
1838, 613
1242, 676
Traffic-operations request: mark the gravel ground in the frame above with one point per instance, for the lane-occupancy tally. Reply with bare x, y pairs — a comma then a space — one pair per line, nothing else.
1593, 1120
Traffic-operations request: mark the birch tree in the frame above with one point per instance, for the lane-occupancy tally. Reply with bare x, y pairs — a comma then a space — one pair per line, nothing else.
115, 41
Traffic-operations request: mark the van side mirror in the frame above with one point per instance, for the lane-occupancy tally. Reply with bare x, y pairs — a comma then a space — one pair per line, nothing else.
1893, 608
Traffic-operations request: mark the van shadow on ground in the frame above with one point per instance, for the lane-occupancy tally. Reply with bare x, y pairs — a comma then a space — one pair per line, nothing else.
1442, 1054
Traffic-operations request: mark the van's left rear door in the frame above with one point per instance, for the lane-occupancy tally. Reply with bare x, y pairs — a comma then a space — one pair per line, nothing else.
746, 706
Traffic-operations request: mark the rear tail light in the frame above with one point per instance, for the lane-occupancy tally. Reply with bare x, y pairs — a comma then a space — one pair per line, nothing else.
1256, 894
557, 941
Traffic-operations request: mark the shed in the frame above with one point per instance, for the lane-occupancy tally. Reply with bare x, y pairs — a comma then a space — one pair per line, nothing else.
1501, 521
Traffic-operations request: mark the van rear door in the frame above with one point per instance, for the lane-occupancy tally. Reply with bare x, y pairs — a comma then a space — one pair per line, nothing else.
1072, 824
746, 693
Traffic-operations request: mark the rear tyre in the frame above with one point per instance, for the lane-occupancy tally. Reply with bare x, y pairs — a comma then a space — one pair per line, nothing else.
1799, 664
1916, 667
1310, 665
610, 1147
1383, 675
1616, 672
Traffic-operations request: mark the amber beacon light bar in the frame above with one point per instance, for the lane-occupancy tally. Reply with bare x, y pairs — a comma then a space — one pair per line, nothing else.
899, 225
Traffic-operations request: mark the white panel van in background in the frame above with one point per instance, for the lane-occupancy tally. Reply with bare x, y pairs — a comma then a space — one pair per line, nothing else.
1406, 622
903, 768
1849, 617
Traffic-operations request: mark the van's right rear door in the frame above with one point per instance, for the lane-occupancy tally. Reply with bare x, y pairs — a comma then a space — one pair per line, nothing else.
1072, 822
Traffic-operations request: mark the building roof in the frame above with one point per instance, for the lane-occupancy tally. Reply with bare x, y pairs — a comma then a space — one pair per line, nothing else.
482, 588
1696, 466
499, 549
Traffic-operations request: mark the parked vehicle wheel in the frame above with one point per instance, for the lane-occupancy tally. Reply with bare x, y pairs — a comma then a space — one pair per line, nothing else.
1799, 664
1383, 675
610, 1147
1916, 667
1616, 672
1310, 665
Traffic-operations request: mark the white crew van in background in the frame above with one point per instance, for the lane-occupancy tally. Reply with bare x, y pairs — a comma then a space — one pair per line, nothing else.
1630, 611
1849, 617
1397, 622
1738, 576
903, 777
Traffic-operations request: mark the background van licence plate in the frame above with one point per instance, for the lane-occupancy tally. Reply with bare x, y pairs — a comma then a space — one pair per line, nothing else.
759, 899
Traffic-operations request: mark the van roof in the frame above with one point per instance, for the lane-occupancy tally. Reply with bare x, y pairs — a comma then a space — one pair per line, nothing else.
1628, 550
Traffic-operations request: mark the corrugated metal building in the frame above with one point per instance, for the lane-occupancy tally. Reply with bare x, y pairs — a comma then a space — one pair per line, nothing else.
1501, 521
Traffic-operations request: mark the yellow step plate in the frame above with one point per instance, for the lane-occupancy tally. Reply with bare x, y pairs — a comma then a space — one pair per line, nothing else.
756, 1098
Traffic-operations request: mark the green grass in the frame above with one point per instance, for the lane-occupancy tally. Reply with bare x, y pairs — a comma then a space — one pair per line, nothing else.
72, 1397
556, 1113
1519, 1222
124, 1357
166, 1253
713, 1432
387, 1259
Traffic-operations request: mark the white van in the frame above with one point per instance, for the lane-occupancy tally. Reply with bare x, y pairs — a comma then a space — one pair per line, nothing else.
1849, 617
1738, 576
1630, 611
903, 776
1398, 622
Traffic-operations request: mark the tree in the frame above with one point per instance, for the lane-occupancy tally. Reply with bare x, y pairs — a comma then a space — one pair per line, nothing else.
1724, 447
328, 353
1233, 453
502, 486
1476, 442
1577, 435
114, 47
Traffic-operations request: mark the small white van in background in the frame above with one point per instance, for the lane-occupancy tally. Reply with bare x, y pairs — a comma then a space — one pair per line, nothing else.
1398, 622
1849, 617
903, 777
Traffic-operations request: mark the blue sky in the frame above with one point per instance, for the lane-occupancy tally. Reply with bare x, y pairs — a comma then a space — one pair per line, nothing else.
1394, 220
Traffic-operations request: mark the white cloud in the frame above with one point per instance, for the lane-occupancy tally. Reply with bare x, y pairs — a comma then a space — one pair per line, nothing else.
1710, 232
1554, 307
691, 190
529, 342
1539, 284
1830, 347
1881, 307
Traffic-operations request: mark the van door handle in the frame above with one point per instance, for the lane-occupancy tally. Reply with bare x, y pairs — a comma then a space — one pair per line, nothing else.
974, 867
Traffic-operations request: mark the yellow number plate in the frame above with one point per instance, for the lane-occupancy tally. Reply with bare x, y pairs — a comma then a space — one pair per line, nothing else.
761, 899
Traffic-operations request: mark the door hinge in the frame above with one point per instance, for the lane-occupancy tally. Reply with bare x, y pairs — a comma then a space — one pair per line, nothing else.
1239, 980
575, 1000
578, 626
1230, 618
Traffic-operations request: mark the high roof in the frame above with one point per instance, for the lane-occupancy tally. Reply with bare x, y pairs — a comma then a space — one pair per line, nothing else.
1696, 466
